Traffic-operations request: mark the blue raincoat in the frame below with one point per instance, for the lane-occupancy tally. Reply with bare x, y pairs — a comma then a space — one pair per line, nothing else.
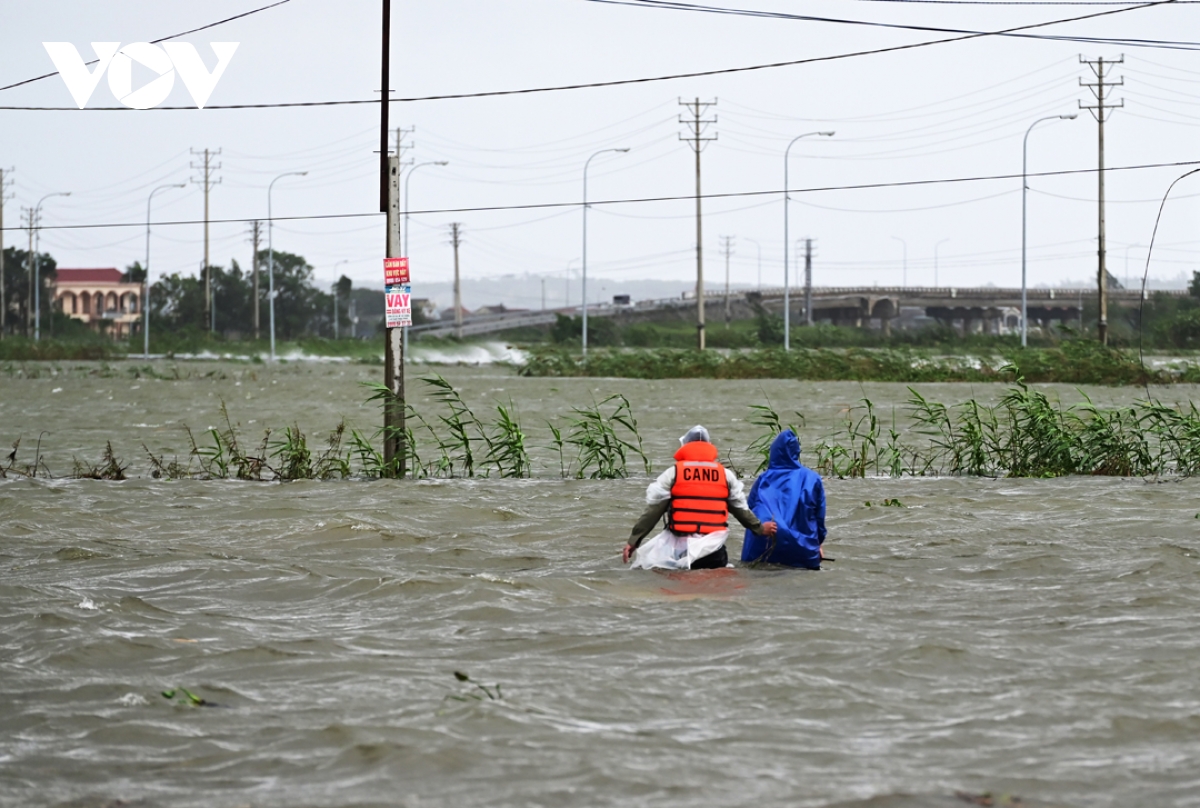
794, 497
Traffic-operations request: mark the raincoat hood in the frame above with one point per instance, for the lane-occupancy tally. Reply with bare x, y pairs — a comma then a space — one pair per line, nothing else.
694, 434
785, 451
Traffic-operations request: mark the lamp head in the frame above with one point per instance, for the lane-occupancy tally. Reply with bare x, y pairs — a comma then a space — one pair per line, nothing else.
442, 163
1070, 117
301, 173
621, 150
827, 134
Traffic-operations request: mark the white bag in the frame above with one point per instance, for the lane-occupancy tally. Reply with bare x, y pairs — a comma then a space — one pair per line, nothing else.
669, 551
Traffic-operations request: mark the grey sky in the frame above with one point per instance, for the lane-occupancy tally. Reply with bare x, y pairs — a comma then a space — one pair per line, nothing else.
948, 110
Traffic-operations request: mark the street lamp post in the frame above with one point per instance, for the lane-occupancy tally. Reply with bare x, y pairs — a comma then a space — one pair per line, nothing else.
904, 266
411, 171
759, 246
1127, 249
1024, 194
271, 256
146, 280
35, 266
787, 306
935, 260
585, 210
335, 286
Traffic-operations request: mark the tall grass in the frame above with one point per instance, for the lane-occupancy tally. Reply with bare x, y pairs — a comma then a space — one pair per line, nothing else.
1025, 434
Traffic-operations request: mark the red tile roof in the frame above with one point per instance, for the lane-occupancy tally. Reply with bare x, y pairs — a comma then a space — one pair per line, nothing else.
89, 275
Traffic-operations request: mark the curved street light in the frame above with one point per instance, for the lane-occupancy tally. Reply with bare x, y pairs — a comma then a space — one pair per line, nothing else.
759, 246
335, 286
412, 171
271, 255
787, 307
904, 269
1024, 193
935, 260
35, 269
585, 210
146, 280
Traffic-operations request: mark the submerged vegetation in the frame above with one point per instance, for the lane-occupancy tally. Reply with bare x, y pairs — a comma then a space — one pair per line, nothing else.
1024, 434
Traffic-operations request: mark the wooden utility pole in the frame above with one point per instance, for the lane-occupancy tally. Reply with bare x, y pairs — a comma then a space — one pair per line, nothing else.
395, 448
696, 128
808, 310
456, 240
1098, 112
206, 180
4, 183
727, 248
255, 235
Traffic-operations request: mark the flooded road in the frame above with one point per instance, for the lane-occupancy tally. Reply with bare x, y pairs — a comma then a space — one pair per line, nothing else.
1031, 637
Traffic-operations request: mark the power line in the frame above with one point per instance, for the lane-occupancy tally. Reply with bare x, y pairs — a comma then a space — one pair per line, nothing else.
675, 5
626, 82
639, 200
156, 41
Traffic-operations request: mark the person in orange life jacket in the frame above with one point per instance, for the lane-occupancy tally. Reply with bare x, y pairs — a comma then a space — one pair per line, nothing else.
697, 494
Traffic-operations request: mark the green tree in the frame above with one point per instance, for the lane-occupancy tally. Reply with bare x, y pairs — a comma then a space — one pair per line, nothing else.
17, 296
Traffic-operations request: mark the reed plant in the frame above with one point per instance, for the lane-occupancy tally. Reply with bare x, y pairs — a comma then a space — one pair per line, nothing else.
604, 441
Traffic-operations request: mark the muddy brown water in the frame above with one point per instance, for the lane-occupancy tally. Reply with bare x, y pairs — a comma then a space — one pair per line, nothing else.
1029, 637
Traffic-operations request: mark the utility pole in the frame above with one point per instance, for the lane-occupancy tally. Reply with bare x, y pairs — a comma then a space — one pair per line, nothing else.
255, 235
207, 169
697, 125
1101, 70
395, 448
727, 248
4, 184
456, 239
808, 310
543, 291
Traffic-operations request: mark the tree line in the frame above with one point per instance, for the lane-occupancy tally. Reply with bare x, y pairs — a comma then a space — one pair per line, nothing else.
177, 300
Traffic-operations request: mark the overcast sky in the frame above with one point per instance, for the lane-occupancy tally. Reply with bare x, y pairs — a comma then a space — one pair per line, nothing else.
948, 110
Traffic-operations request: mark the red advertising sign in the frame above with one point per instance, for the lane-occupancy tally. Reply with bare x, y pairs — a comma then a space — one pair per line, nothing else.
395, 271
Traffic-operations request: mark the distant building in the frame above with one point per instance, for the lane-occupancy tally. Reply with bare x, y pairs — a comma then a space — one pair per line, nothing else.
98, 296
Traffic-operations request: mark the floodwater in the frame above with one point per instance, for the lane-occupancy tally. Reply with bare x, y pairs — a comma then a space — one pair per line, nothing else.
1027, 637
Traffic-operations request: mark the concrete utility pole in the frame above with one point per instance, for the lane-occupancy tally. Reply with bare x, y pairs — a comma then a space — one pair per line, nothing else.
1101, 70
696, 128
271, 256
206, 180
727, 248
4, 183
456, 239
255, 236
395, 442
808, 309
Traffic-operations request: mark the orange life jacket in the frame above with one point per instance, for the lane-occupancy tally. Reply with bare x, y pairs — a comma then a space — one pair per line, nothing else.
698, 497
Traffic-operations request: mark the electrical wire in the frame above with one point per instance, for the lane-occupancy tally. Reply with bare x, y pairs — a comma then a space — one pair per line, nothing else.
626, 82
673, 5
641, 200
156, 41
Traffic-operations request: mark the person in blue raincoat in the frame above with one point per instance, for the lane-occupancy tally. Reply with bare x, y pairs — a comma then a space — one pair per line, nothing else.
793, 496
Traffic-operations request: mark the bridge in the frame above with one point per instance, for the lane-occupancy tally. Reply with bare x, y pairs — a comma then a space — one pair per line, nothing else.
982, 308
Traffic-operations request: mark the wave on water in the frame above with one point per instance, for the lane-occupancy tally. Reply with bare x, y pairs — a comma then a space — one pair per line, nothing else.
485, 353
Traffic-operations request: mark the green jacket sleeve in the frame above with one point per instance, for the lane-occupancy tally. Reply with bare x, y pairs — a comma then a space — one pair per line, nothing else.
647, 521
747, 518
